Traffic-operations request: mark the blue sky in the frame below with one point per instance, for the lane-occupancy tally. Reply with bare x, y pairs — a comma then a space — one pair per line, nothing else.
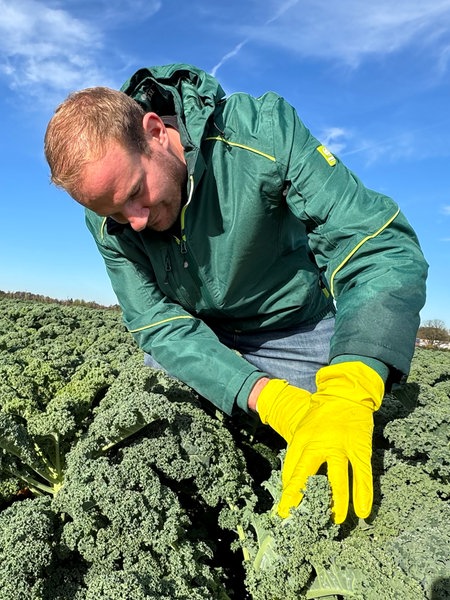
371, 80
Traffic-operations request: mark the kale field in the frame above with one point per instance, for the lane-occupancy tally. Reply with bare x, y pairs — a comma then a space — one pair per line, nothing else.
119, 483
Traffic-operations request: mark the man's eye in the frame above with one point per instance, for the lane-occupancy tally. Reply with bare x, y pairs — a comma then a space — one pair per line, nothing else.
135, 193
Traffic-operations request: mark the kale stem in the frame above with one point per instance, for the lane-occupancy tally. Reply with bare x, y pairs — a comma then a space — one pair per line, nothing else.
33, 483
52, 474
241, 534
57, 455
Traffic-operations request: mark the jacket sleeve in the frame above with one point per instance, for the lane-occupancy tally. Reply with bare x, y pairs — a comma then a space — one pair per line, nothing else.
367, 250
187, 348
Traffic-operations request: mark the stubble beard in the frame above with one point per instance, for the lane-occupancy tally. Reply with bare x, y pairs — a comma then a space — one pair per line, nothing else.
176, 180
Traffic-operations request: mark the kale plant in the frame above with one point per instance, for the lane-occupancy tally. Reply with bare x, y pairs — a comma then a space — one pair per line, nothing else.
127, 508
118, 482
403, 549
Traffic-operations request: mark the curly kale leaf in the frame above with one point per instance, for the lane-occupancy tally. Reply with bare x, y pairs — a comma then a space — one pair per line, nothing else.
123, 519
280, 552
410, 521
187, 444
27, 531
424, 435
334, 581
429, 367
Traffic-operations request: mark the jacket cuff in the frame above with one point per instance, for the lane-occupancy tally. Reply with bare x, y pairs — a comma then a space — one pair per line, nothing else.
247, 386
373, 363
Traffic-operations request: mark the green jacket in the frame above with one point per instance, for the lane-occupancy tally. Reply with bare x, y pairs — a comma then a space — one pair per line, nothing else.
274, 231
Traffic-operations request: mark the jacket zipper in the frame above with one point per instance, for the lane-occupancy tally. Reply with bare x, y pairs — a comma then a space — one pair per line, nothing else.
168, 268
182, 240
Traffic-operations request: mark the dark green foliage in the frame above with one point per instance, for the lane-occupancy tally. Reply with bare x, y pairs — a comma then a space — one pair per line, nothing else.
403, 550
422, 437
278, 550
55, 362
145, 493
24, 558
118, 515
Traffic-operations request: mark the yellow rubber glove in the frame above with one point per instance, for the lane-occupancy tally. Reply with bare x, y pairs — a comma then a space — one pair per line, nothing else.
336, 427
337, 430
282, 406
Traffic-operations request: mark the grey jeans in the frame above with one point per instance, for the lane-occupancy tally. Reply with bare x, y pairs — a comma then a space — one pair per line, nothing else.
293, 354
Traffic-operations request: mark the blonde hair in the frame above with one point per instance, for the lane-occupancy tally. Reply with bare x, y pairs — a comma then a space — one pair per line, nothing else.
83, 126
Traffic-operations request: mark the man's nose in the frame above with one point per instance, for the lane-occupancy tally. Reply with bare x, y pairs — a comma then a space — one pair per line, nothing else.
137, 217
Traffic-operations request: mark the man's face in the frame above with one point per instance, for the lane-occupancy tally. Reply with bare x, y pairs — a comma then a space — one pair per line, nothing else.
144, 191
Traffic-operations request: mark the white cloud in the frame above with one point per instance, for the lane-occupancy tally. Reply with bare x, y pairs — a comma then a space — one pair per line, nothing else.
128, 9
334, 139
280, 10
44, 49
446, 209
398, 147
49, 47
108, 11
351, 30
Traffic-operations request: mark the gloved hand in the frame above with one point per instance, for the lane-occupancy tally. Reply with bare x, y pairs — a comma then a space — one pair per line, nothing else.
283, 406
333, 425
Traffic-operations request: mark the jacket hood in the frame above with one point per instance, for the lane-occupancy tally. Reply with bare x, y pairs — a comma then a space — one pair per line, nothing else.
178, 89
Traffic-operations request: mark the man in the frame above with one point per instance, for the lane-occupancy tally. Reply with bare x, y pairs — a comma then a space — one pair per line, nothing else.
228, 232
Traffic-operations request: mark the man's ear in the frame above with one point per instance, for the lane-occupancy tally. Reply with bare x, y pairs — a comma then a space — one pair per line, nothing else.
154, 128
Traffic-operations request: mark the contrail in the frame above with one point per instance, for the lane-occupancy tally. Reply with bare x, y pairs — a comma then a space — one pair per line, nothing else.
239, 46
227, 56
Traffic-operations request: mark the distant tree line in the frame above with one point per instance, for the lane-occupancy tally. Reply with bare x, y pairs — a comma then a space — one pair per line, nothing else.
47, 299
434, 333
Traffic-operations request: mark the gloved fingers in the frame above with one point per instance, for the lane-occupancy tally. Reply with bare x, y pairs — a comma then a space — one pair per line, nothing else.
362, 485
289, 500
338, 478
294, 480
301, 458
